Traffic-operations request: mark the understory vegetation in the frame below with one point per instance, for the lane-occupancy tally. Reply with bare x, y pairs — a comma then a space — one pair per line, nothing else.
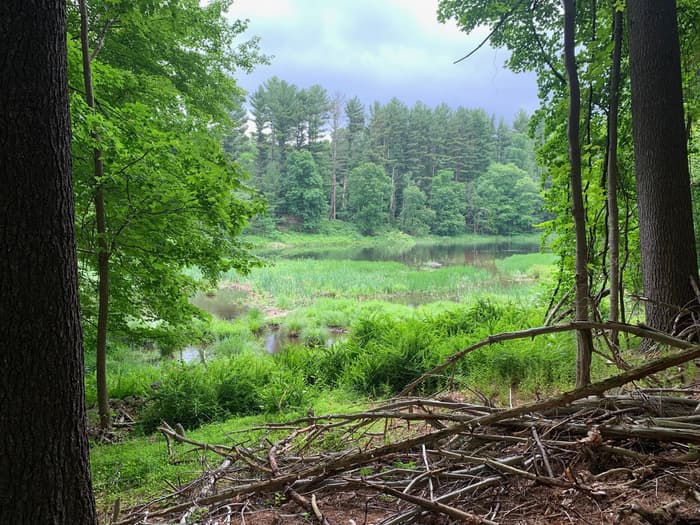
330, 335
386, 347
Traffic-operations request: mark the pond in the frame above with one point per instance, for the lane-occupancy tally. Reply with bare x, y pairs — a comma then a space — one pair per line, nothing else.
298, 279
225, 303
480, 255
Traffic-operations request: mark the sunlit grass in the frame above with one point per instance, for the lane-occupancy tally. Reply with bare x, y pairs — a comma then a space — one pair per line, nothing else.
296, 282
139, 469
524, 262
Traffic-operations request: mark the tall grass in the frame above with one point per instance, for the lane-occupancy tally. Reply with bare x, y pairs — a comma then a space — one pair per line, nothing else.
302, 281
383, 353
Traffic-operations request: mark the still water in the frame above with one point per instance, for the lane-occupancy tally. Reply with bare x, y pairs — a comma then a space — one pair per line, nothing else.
448, 254
230, 303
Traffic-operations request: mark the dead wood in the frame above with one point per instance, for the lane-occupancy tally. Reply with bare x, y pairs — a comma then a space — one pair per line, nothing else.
438, 457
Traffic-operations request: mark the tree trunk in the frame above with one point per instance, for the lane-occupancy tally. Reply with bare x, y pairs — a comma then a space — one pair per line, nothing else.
332, 215
43, 443
613, 212
584, 338
102, 247
661, 161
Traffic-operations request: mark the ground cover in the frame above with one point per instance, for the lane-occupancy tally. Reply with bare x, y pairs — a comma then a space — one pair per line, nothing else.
444, 458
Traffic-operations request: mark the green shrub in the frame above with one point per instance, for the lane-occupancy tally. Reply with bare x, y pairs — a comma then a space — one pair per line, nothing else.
387, 354
285, 390
239, 382
186, 396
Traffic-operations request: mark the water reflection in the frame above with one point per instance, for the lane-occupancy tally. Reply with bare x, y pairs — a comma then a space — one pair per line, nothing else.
275, 339
193, 354
449, 254
225, 304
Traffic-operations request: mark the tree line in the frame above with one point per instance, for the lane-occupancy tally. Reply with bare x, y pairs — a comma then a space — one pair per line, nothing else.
420, 169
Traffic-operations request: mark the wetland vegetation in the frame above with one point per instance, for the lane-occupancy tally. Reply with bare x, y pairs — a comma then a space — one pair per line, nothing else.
332, 324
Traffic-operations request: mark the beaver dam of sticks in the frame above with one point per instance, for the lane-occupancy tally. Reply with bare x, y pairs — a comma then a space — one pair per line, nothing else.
611, 452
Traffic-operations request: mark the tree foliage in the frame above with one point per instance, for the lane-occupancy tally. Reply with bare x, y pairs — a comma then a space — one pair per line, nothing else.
505, 200
303, 190
411, 144
174, 200
368, 197
533, 32
447, 198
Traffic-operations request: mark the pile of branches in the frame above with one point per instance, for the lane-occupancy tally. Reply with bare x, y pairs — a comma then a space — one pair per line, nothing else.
597, 454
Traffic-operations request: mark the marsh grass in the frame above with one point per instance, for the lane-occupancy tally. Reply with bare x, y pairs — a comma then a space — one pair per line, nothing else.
132, 371
534, 265
300, 282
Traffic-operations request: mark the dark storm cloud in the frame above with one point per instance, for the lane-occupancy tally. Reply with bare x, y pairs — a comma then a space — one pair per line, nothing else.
381, 49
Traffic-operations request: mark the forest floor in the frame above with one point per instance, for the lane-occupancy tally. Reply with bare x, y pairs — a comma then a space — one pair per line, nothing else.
554, 468
613, 452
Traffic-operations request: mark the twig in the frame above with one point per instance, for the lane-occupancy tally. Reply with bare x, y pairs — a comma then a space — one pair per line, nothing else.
543, 452
434, 506
496, 27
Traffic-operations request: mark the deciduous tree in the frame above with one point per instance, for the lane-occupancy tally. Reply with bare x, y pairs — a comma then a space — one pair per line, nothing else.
368, 197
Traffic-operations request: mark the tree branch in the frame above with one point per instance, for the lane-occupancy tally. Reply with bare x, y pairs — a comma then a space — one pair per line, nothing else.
493, 31
101, 40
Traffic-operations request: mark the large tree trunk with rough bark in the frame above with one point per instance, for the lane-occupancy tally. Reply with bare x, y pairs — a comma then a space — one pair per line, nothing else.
583, 337
45, 476
661, 161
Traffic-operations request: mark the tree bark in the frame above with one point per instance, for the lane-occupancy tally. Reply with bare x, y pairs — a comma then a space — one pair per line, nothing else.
102, 247
332, 215
613, 212
44, 464
583, 337
661, 160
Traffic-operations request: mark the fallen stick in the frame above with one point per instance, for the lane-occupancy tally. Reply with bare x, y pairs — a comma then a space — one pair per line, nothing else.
434, 506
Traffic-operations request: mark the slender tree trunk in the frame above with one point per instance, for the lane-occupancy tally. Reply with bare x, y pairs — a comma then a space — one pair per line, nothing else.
661, 160
44, 463
613, 212
344, 185
392, 196
584, 338
103, 249
334, 168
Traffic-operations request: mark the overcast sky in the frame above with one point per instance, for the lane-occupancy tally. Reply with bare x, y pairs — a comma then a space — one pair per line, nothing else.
379, 49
